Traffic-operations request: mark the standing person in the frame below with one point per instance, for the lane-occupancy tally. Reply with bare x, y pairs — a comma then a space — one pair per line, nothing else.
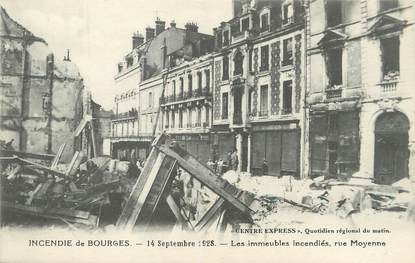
235, 160
265, 167
229, 160
220, 167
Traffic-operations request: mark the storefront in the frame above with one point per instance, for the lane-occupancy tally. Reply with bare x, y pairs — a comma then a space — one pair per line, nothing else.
279, 146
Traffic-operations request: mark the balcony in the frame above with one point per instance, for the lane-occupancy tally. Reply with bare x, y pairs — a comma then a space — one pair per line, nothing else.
193, 94
388, 86
125, 115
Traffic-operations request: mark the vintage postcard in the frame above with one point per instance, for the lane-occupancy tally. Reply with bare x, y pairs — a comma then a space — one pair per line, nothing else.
207, 131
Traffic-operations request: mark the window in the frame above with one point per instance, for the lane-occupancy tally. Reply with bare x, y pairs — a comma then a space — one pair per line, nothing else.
224, 106
264, 22
190, 83
287, 13
287, 52
173, 119
334, 12
199, 117
250, 60
287, 97
180, 119
245, 24
238, 63
166, 120
226, 37
189, 118
385, 5
119, 67
199, 80
150, 99
264, 58
333, 122
390, 58
250, 101
334, 67
207, 76
130, 62
264, 100
174, 88
225, 68
181, 87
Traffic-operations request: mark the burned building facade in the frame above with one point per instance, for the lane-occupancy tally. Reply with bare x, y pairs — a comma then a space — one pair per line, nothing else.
258, 86
360, 107
141, 84
41, 96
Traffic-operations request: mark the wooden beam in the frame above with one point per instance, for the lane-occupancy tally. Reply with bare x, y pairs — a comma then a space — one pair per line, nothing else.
213, 212
41, 167
74, 164
241, 200
94, 147
39, 156
58, 156
177, 213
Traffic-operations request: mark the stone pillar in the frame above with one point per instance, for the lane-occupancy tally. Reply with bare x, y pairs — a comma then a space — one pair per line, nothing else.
248, 167
239, 150
411, 161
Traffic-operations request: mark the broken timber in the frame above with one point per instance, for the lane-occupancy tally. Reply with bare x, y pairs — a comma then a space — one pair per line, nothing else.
150, 187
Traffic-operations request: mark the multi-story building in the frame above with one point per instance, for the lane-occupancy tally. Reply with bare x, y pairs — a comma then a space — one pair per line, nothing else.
259, 86
360, 67
141, 81
41, 95
187, 105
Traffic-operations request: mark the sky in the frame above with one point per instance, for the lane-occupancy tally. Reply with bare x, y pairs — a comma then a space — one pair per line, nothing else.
98, 32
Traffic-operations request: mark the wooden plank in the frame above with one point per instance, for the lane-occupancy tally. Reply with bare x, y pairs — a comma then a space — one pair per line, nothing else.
217, 184
129, 214
94, 147
41, 167
58, 156
47, 211
39, 156
177, 213
214, 211
74, 164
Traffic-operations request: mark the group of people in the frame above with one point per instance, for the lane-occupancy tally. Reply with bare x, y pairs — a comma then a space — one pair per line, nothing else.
220, 166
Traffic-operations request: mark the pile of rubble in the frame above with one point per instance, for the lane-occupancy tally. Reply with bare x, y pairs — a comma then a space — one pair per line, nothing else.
285, 196
81, 193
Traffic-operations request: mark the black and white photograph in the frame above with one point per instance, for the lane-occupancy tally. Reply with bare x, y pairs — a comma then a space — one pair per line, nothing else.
207, 131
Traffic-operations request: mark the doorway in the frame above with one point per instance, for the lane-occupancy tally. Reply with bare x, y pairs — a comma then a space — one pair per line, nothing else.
391, 148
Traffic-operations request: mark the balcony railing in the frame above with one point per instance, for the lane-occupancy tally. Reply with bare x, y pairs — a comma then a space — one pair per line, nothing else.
334, 92
198, 93
263, 113
286, 111
125, 115
288, 20
388, 86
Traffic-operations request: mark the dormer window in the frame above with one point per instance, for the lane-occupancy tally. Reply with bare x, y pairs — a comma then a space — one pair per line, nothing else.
287, 12
119, 67
226, 37
130, 61
244, 24
265, 20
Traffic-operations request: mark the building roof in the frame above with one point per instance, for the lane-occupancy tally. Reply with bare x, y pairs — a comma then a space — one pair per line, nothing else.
10, 28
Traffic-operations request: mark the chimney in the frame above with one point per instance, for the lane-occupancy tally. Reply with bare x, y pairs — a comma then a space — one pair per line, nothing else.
160, 26
191, 27
149, 33
67, 58
173, 24
138, 39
